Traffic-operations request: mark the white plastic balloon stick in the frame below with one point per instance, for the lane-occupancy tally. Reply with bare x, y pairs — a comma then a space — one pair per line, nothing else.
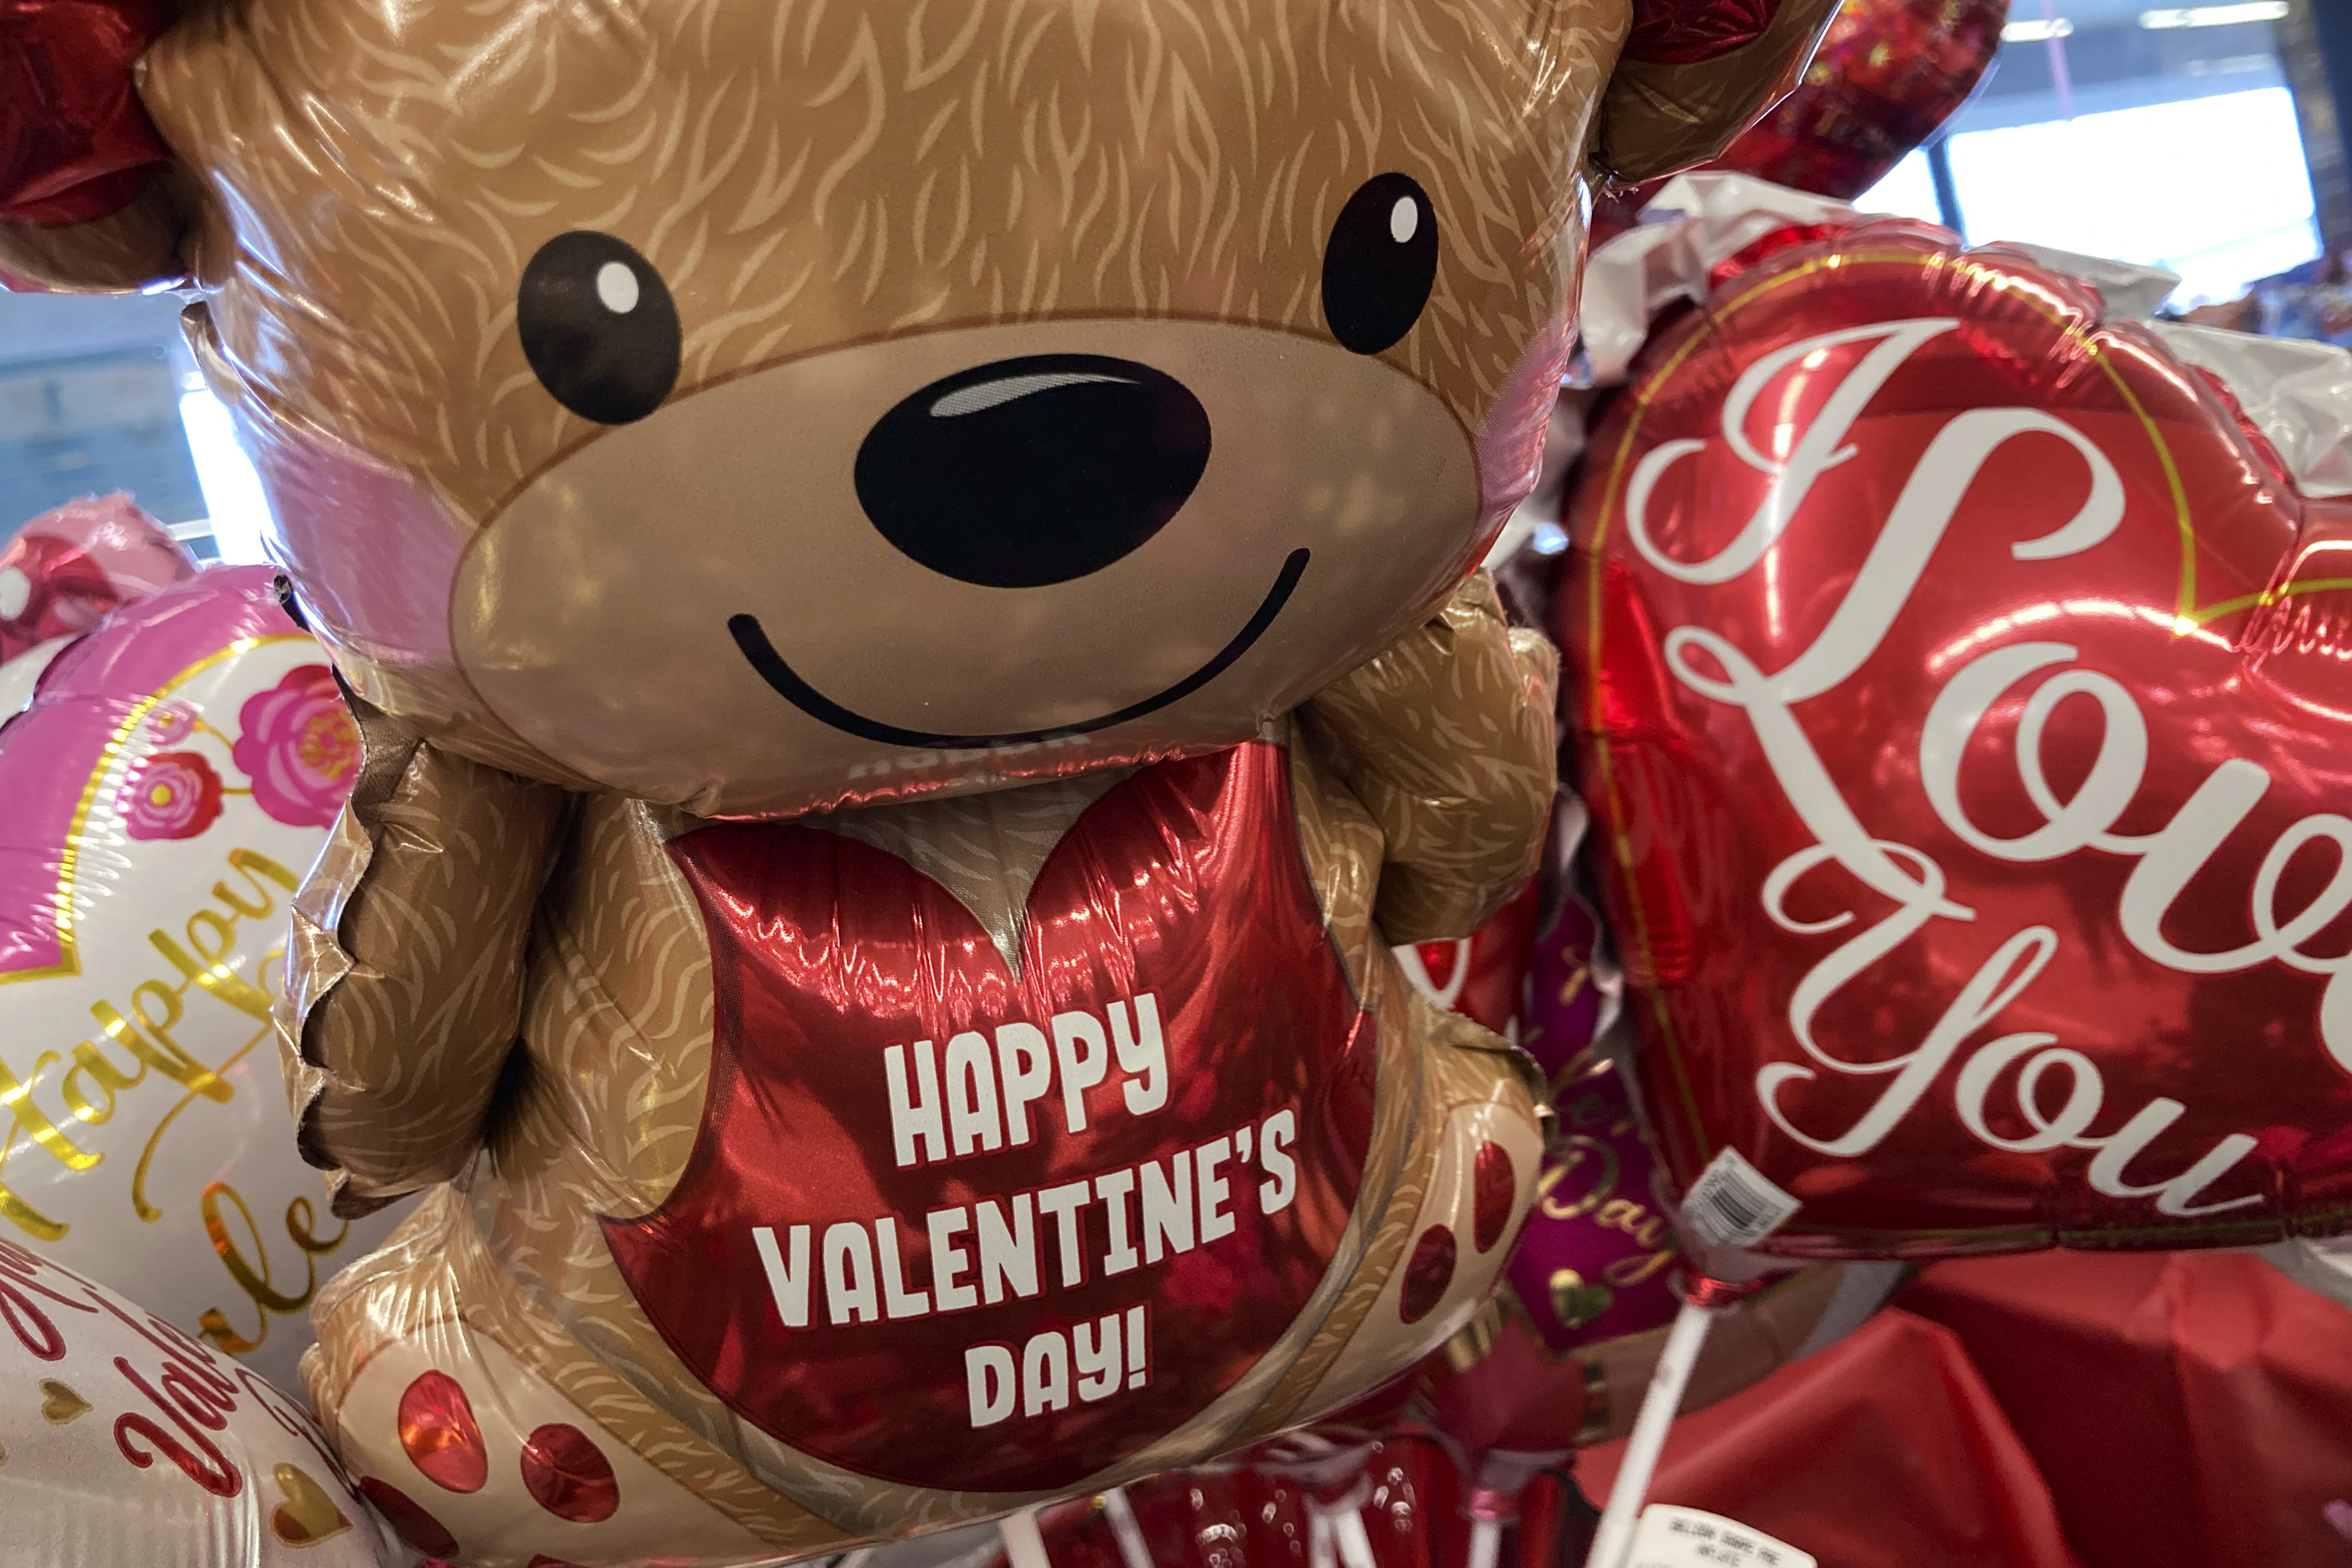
1130, 1534
1354, 1542
1322, 1550
1614, 1538
1024, 1544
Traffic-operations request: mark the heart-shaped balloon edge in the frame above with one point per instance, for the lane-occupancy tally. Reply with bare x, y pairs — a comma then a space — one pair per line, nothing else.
153, 649
2073, 307
2076, 308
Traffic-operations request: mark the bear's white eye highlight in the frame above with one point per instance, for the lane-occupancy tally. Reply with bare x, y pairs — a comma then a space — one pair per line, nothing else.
617, 287
1404, 220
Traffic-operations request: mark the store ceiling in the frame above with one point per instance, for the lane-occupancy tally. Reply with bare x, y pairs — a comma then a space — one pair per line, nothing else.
2086, 14
2081, 13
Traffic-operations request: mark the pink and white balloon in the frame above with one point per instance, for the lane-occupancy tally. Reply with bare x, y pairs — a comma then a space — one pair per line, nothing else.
160, 799
127, 1442
64, 570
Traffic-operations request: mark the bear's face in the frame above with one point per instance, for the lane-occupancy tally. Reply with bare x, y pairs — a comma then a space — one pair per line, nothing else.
762, 407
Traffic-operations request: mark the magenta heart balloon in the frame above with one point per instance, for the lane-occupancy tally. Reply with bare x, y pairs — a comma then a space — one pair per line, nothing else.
1594, 1260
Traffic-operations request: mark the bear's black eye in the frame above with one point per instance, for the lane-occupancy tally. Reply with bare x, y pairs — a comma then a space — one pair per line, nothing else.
599, 327
1380, 263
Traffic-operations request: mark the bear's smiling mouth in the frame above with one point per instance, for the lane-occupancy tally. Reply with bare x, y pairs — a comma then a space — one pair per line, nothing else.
763, 658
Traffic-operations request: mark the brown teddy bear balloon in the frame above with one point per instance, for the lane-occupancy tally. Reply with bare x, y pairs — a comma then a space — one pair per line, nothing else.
905, 570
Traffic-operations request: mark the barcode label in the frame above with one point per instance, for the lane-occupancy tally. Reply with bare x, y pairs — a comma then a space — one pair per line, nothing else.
1733, 1204
1687, 1538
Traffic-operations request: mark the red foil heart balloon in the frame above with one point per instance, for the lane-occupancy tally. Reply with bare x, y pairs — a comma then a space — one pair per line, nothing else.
1886, 76
1889, 73
64, 570
1966, 697
1412, 1510
75, 144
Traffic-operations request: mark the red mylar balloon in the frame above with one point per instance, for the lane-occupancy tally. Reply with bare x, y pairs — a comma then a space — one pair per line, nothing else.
74, 142
1888, 74
67, 568
1562, 1355
1412, 1511
129, 1442
1483, 977
1683, 32
1966, 698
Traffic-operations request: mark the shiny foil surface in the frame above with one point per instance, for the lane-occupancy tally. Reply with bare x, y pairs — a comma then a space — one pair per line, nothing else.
1484, 975
945, 427
1888, 72
1414, 1509
1562, 1355
1694, 73
75, 144
160, 798
67, 567
129, 1442
1160, 1113
1596, 1259
1684, 32
772, 528
1960, 686
961, 1153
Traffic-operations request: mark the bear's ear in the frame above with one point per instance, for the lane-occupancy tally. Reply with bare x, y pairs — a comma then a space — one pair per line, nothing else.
89, 202
1696, 73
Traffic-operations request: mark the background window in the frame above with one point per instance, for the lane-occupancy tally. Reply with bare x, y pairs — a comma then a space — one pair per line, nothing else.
2159, 135
100, 394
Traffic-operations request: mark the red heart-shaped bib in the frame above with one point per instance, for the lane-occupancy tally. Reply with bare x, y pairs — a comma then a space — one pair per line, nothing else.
957, 1224
1967, 694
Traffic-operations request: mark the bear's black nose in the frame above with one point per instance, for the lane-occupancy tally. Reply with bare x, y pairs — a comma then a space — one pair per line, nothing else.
1031, 471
